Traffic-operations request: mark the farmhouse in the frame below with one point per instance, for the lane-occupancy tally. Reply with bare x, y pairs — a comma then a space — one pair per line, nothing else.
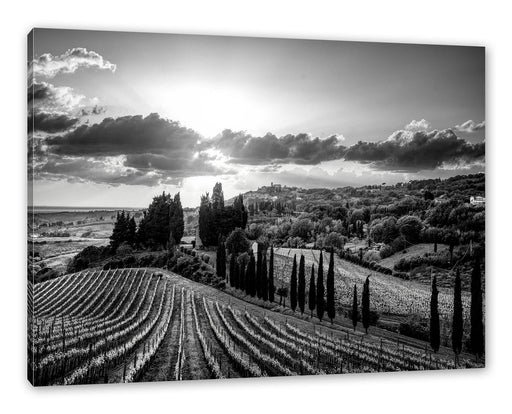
477, 200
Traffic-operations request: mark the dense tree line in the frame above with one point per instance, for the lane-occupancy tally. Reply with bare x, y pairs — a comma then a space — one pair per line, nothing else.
215, 218
125, 231
255, 277
162, 225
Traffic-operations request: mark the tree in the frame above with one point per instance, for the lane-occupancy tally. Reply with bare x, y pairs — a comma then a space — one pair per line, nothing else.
258, 273
236, 275
334, 240
157, 226
477, 329
320, 291
232, 264
250, 275
410, 227
457, 324
331, 308
365, 304
120, 231
240, 215
384, 230
217, 197
132, 232
263, 280
301, 289
355, 312
301, 228
221, 260
241, 277
206, 232
435, 335
176, 222
271, 276
293, 285
312, 291
237, 242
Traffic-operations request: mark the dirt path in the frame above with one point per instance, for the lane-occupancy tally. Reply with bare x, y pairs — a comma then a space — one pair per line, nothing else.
161, 367
229, 370
194, 365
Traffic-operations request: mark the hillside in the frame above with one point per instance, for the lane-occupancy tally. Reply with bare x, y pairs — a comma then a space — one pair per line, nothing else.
128, 325
463, 186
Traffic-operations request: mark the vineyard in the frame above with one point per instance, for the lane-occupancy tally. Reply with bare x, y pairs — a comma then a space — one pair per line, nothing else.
129, 325
389, 295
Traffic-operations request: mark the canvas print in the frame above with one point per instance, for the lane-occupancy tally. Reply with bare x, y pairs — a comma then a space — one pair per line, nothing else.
214, 207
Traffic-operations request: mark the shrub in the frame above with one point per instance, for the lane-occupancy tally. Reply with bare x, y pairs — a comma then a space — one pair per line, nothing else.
415, 326
237, 242
374, 316
386, 251
87, 257
372, 256
124, 249
335, 240
410, 228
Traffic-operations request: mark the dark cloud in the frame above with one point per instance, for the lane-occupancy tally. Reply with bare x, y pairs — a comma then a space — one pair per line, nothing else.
152, 150
299, 149
100, 171
414, 151
39, 91
55, 109
50, 123
128, 150
127, 135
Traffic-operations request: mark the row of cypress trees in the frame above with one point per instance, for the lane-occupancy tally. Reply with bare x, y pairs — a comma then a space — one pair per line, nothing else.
255, 278
476, 339
317, 298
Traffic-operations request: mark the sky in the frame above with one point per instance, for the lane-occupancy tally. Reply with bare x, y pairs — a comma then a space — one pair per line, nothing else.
115, 118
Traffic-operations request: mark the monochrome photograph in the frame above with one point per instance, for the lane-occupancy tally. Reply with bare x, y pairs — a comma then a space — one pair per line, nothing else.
219, 207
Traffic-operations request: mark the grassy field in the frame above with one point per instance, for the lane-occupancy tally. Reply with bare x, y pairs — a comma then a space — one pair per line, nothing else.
414, 250
129, 325
389, 295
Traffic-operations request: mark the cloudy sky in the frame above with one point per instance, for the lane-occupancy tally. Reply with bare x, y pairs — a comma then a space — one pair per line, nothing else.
114, 118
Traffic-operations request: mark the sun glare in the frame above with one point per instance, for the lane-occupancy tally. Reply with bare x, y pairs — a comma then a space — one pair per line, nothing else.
211, 108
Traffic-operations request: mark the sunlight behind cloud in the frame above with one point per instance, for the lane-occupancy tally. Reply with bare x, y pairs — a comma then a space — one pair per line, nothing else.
210, 108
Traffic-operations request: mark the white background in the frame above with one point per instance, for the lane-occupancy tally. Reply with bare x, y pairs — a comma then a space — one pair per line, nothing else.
449, 22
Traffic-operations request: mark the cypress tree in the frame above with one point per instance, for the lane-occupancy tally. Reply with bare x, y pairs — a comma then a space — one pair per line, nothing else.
176, 222
271, 276
320, 291
435, 335
293, 285
132, 232
301, 289
232, 264
236, 275
365, 304
355, 312
458, 324
241, 277
250, 274
258, 273
219, 261
477, 328
331, 308
263, 280
312, 291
